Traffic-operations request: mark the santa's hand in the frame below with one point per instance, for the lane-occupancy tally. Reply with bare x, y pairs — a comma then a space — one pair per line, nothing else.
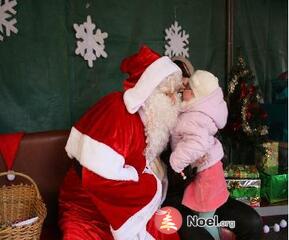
129, 173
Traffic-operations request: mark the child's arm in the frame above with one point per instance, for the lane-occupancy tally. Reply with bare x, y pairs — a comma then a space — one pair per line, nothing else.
193, 146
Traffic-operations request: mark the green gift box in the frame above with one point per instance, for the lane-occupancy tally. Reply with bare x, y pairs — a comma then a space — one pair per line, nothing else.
274, 186
245, 190
240, 171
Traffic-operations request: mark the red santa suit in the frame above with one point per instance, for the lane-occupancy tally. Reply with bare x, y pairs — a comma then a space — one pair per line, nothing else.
109, 142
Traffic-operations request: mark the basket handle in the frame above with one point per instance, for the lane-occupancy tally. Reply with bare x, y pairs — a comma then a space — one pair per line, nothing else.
24, 176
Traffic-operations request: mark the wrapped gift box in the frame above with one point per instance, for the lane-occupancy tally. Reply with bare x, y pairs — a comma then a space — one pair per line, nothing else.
241, 171
283, 157
245, 190
274, 186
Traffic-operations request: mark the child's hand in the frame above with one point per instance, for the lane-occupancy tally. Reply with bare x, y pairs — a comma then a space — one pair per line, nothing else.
183, 175
201, 160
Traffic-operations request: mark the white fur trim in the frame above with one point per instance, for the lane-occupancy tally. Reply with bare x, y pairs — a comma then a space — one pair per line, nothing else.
135, 225
143, 235
203, 83
149, 80
98, 157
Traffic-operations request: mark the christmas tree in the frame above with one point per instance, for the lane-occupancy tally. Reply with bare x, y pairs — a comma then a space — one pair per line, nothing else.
246, 127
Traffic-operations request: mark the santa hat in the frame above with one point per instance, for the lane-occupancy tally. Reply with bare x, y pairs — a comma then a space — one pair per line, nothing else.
203, 83
9, 144
146, 69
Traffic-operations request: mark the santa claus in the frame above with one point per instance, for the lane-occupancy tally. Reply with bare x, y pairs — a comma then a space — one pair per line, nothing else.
117, 143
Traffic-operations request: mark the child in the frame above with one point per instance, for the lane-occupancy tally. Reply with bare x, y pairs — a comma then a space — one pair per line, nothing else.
203, 112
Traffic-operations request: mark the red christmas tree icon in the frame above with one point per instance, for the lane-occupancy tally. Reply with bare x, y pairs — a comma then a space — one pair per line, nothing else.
167, 222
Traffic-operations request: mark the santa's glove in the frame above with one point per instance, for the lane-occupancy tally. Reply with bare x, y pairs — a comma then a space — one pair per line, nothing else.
127, 173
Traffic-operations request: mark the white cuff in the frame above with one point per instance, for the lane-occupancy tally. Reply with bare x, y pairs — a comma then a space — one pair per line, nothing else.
98, 157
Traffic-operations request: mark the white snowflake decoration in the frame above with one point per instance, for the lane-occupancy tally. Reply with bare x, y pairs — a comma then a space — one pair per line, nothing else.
6, 18
177, 41
92, 46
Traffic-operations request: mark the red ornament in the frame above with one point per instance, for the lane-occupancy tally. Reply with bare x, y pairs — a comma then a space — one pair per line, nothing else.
236, 126
248, 115
244, 90
250, 106
263, 115
252, 90
253, 107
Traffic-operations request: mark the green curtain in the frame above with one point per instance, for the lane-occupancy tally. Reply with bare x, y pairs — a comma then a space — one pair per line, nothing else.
261, 33
34, 79
45, 86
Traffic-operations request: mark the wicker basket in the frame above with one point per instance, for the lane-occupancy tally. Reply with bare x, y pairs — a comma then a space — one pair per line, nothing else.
17, 203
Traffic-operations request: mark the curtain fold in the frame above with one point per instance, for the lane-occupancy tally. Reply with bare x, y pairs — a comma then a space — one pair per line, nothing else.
45, 86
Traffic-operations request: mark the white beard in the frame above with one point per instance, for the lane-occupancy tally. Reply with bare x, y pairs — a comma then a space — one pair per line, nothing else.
160, 118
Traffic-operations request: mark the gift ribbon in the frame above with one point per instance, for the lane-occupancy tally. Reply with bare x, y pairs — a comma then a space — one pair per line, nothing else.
243, 183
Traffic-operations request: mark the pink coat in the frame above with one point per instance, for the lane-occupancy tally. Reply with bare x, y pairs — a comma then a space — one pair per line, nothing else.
193, 136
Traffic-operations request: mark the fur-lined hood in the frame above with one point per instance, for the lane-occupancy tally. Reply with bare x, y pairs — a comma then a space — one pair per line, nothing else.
212, 105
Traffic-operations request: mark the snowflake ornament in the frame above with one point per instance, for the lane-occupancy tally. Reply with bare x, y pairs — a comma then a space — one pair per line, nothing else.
6, 18
92, 46
177, 41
